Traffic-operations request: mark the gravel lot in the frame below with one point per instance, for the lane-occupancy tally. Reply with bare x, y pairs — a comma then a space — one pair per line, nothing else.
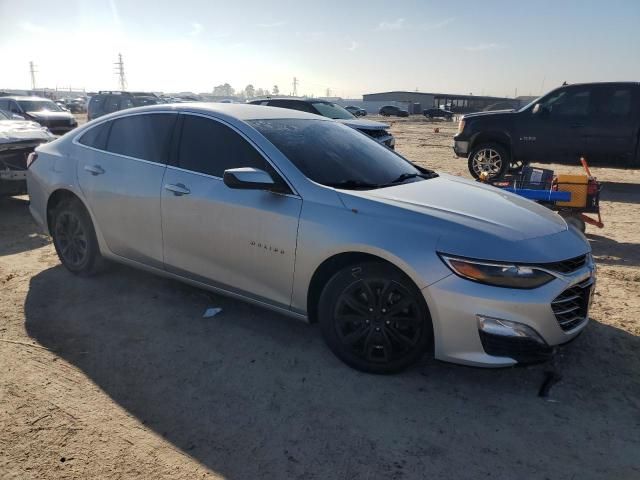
119, 376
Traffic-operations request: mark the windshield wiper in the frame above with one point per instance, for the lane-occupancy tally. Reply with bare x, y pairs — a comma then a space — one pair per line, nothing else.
353, 184
405, 176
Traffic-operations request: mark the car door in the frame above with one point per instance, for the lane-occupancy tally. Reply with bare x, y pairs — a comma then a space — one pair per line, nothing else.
243, 241
615, 129
120, 168
557, 129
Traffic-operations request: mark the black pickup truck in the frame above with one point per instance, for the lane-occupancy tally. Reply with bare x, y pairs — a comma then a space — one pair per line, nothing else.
598, 121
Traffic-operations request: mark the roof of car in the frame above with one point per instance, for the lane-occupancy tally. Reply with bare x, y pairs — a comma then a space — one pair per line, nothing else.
25, 97
241, 111
290, 99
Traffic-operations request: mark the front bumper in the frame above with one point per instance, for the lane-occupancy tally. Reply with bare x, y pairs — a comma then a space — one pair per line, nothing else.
456, 303
461, 147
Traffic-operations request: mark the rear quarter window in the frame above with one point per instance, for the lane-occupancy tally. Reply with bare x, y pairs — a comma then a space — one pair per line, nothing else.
96, 137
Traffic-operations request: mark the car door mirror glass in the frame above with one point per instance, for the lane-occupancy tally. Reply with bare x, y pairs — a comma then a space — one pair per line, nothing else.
247, 178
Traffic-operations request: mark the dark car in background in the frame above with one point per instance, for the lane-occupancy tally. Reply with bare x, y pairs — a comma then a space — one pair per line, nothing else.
376, 130
113, 101
40, 110
598, 121
438, 113
356, 111
393, 111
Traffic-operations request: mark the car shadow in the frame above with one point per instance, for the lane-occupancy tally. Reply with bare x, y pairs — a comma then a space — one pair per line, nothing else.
252, 394
19, 232
620, 192
608, 251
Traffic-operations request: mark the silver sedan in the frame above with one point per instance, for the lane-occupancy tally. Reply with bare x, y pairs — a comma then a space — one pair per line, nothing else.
313, 219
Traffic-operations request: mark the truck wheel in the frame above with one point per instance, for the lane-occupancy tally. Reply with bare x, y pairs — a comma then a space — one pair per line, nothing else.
491, 158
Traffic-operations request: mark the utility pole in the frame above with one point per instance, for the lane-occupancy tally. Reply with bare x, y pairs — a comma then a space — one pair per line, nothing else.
328, 92
120, 71
295, 87
32, 70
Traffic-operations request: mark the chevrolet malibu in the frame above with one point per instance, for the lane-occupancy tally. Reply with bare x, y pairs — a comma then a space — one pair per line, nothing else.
313, 219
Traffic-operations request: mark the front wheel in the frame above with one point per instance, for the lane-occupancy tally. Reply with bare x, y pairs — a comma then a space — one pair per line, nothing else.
491, 159
374, 318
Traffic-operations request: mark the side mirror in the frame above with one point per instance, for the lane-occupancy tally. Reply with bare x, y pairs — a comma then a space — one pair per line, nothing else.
249, 179
539, 109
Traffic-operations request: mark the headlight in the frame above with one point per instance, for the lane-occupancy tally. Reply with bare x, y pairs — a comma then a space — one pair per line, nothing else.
507, 275
461, 125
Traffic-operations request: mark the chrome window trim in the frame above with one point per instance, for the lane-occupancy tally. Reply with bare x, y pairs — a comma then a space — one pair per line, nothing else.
249, 141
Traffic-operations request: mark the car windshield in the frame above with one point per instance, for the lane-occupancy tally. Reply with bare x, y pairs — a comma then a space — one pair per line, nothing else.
39, 106
331, 110
338, 156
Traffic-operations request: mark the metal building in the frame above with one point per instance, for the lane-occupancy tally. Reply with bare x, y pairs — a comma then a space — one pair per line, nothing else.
415, 102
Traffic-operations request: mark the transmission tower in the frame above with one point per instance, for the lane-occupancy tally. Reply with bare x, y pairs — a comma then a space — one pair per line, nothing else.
32, 70
295, 87
120, 71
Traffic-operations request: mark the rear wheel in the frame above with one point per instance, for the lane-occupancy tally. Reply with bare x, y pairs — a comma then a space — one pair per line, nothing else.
374, 318
74, 238
489, 158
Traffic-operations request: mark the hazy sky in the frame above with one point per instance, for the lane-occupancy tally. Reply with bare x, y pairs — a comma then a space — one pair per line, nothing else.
352, 47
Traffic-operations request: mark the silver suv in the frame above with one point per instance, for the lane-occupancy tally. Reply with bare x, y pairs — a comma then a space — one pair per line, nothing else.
310, 218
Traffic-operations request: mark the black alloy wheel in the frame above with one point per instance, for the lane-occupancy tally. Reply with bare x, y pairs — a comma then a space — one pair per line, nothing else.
374, 318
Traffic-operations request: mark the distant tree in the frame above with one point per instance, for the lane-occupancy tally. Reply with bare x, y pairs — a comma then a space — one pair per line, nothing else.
225, 90
276, 90
260, 92
249, 91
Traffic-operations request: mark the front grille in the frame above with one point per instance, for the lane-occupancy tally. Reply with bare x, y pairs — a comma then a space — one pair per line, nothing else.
571, 307
566, 266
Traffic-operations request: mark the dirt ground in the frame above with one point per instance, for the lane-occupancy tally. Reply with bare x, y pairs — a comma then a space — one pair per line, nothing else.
119, 376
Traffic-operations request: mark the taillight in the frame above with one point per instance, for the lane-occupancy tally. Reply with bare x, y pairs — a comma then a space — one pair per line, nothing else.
33, 156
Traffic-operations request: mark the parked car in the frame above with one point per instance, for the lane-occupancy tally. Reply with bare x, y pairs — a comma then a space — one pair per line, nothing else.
393, 111
107, 102
599, 121
310, 218
76, 105
438, 113
356, 111
376, 130
41, 110
18, 138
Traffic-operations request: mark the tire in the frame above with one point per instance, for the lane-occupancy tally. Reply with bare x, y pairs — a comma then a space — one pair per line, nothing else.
374, 318
492, 158
74, 238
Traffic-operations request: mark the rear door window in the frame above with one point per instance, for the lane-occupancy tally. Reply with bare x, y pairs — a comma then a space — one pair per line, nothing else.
616, 102
146, 137
207, 146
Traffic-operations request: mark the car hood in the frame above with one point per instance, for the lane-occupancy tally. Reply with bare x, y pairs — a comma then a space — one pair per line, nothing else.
47, 115
16, 131
363, 124
489, 114
475, 220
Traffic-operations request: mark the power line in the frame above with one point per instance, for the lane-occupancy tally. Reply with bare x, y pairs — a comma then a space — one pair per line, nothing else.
120, 71
295, 87
32, 70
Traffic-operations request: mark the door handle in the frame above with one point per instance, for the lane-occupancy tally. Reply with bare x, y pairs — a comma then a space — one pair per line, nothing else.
94, 169
178, 189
